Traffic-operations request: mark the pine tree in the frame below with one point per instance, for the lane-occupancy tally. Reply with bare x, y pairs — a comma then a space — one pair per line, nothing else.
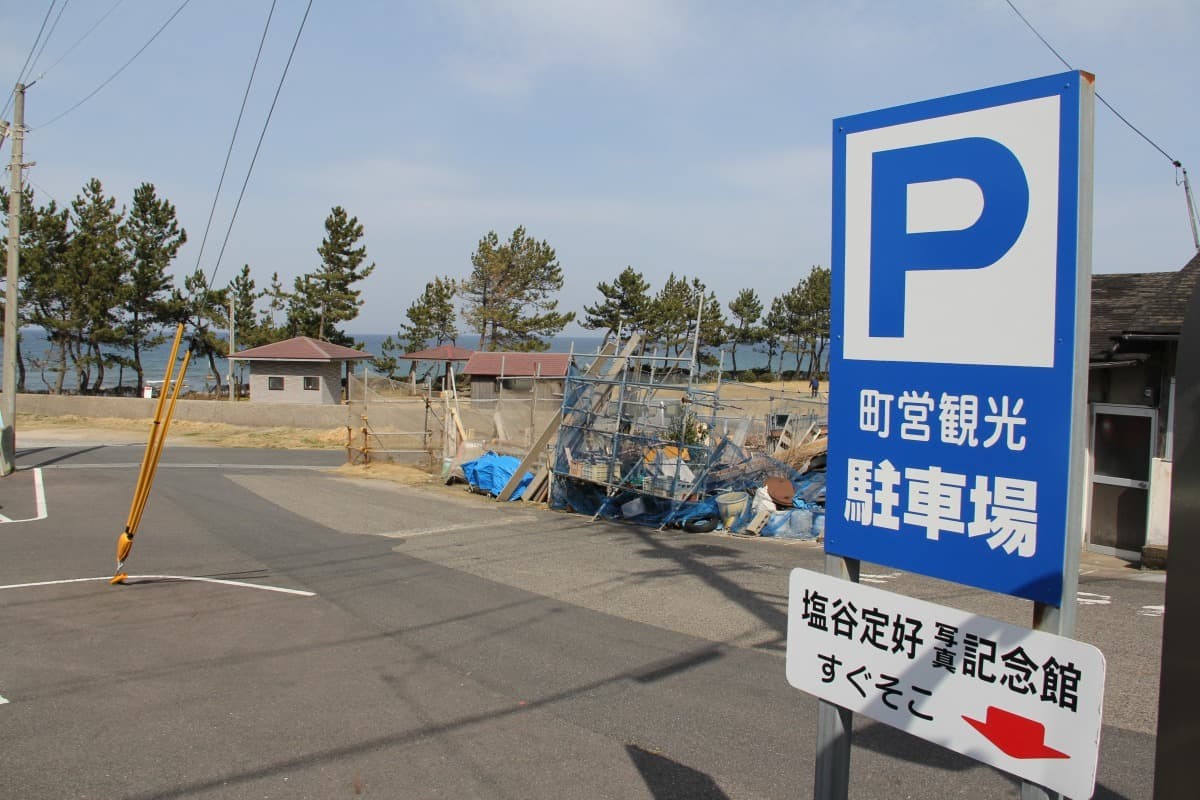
431, 318
43, 242
671, 315
277, 304
773, 332
207, 314
327, 297
96, 269
151, 237
508, 296
746, 309
247, 325
714, 330
817, 288
626, 305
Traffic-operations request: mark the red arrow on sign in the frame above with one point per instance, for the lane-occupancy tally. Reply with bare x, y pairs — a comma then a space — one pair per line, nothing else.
1016, 736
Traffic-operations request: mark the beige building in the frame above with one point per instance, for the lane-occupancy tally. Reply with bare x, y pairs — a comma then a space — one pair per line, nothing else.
299, 370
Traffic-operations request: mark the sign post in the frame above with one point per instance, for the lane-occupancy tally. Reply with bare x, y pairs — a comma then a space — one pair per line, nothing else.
1178, 738
958, 357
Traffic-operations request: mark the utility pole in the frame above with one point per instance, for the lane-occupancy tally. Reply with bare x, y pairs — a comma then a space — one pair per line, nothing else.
232, 385
8, 436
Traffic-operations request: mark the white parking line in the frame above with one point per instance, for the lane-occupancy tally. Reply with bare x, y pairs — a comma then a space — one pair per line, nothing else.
1093, 599
39, 498
882, 577
39, 493
221, 581
1152, 611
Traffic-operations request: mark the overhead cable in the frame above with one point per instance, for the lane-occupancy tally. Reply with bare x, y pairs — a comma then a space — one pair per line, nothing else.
1179, 168
258, 147
80, 40
233, 139
49, 36
25, 66
112, 77
1120, 116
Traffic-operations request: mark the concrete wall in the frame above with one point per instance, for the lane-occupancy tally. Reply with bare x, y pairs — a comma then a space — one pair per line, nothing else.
293, 373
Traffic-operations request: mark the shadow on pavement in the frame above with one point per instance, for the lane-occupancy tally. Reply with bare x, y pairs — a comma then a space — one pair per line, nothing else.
67, 456
670, 780
691, 559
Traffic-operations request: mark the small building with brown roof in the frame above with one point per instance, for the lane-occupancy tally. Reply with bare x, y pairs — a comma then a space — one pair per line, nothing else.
505, 374
299, 370
447, 354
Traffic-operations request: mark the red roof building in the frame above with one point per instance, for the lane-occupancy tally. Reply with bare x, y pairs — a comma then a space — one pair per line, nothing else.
518, 365
301, 348
299, 370
443, 352
505, 374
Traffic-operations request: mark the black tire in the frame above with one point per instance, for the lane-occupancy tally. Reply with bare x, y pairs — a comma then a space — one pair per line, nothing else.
701, 525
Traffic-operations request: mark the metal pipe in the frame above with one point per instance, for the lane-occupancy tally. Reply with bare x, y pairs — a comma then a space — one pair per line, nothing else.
162, 438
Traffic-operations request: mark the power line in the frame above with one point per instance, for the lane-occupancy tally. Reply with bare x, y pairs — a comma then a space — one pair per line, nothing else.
24, 66
258, 147
1120, 116
49, 36
1179, 168
80, 40
232, 139
122, 69
43, 191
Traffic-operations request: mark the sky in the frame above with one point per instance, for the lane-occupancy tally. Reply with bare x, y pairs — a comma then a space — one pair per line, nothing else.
679, 136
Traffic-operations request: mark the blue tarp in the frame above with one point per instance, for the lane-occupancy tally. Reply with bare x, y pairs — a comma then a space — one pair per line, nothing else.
491, 472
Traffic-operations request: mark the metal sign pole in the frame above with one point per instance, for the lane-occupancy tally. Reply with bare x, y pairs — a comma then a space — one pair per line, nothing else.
1061, 620
831, 776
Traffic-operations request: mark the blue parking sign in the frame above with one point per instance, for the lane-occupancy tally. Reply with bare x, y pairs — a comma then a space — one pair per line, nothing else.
961, 266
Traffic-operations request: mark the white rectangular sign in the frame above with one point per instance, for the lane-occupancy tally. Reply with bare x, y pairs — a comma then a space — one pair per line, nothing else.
1024, 701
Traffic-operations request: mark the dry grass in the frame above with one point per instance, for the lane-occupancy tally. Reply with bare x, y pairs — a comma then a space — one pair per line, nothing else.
402, 474
798, 389
209, 434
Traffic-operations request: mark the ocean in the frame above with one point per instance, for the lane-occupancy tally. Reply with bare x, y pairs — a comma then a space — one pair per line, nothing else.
39, 378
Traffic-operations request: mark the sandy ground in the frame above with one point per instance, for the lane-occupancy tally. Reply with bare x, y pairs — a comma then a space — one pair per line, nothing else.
99, 430
32, 427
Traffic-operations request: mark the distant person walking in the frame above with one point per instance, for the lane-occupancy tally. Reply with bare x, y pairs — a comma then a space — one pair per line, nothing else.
813, 385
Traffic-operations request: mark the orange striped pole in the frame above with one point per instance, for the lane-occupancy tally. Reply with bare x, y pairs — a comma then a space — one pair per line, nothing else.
125, 540
162, 439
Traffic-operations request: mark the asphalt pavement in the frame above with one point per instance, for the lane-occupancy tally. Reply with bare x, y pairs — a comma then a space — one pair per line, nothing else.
305, 634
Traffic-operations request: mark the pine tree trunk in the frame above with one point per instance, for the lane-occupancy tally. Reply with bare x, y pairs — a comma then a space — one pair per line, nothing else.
212, 364
98, 386
137, 368
62, 365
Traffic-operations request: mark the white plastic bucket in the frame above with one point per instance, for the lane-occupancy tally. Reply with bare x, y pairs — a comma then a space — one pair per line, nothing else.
730, 505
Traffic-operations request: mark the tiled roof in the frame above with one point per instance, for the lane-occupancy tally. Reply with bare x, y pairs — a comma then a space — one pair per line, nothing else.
1164, 312
443, 352
1148, 303
301, 348
518, 365
1115, 301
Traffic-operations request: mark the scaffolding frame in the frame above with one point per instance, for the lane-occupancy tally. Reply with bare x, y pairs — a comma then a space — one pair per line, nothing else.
670, 445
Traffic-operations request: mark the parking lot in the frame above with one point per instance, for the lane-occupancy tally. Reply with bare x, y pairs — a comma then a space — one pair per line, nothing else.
297, 633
